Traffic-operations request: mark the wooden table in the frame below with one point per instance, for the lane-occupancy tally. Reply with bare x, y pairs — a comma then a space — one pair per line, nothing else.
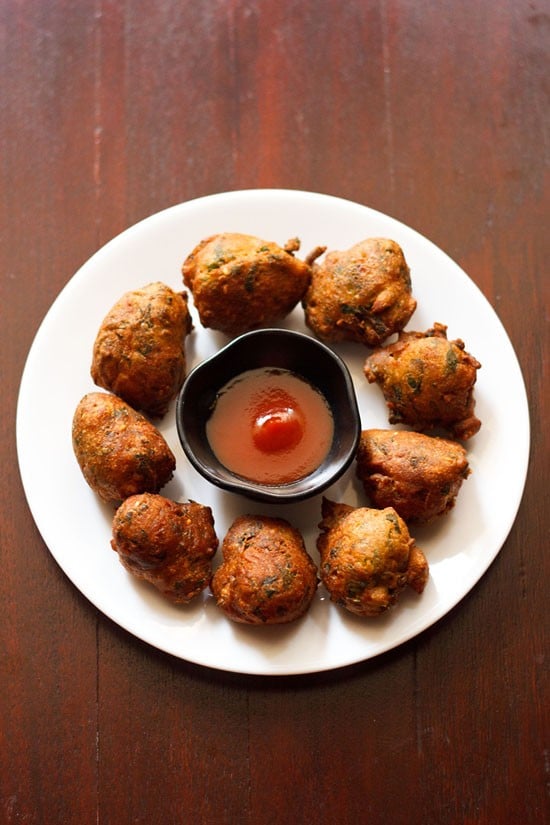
433, 112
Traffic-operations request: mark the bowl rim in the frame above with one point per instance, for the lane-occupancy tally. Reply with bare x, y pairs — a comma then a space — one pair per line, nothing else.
306, 487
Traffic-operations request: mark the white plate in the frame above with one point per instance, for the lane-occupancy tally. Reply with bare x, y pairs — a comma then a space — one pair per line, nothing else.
76, 526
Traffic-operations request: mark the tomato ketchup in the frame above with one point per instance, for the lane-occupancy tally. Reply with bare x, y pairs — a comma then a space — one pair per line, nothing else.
271, 426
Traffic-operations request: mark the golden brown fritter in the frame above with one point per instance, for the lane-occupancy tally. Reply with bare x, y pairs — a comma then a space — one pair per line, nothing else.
119, 451
418, 475
267, 576
139, 351
241, 282
368, 558
362, 294
427, 382
166, 543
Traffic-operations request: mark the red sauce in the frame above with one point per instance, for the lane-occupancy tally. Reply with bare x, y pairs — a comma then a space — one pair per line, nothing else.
271, 426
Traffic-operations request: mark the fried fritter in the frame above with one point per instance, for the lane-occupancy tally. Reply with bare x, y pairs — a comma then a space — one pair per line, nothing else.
119, 451
427, 382
166, 543
418, 475
368, 557
139, 351
267, 576
362, 294
241, 282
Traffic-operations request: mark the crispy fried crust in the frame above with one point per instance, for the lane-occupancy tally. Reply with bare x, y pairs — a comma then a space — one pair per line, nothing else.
427, 382
418, 475
118, 450
241, 282
139, 350
362, 294
367, 558
267, 576
166, 543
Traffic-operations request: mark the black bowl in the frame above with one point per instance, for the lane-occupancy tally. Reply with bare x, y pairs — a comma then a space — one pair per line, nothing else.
303, 355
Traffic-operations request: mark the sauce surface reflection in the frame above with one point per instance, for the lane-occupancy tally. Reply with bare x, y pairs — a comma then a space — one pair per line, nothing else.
271, 426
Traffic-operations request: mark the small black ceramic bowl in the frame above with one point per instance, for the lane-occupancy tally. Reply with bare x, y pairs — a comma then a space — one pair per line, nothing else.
301, 354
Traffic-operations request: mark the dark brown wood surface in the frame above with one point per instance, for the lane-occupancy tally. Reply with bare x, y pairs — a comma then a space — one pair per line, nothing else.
436, 113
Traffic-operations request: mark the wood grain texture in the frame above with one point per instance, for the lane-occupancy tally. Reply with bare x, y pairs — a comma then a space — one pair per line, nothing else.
436, 113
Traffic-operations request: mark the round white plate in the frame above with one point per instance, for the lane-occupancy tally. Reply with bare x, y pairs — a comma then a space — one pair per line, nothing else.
77, 527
